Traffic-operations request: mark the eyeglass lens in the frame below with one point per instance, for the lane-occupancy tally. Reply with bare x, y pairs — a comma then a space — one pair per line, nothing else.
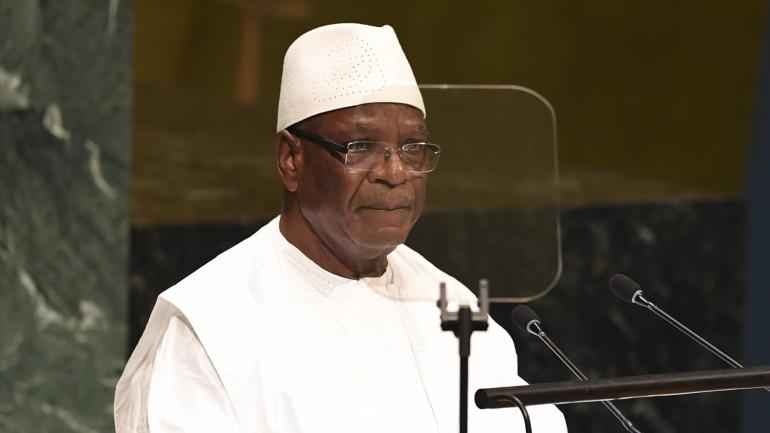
371, 155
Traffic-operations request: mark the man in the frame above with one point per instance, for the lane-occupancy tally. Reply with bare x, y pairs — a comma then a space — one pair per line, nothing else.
303, 327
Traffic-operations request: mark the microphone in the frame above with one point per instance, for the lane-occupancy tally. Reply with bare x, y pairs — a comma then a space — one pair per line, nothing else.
527, 320
630, 291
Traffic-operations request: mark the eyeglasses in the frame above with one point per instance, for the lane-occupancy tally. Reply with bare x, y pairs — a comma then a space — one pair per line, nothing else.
365, 155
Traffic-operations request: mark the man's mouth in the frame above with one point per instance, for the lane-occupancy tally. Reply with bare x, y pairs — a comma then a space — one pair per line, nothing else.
386, 207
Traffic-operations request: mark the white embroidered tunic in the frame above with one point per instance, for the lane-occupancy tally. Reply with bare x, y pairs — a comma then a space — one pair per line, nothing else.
263, 340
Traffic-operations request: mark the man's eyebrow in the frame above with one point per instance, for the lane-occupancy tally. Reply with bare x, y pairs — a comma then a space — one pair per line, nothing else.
421, 129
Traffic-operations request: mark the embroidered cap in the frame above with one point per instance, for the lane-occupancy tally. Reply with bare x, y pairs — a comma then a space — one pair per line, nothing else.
344, 65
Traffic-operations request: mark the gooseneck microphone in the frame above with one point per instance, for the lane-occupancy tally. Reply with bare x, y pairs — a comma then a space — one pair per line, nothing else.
630, 291
527, 320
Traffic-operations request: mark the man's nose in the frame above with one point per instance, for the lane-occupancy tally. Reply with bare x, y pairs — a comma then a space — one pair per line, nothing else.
393, 170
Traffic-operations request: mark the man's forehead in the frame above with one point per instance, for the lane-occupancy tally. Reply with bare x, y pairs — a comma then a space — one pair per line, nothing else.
368, 117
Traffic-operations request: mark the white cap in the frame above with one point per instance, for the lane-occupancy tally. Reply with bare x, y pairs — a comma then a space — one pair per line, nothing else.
344, 65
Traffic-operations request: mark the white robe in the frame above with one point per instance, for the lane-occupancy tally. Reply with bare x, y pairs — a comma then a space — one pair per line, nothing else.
262, 340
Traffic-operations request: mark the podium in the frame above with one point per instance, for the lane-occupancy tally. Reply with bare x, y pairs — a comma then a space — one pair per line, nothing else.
654, 385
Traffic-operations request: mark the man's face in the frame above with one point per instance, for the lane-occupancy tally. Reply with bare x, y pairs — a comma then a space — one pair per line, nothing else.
362, 215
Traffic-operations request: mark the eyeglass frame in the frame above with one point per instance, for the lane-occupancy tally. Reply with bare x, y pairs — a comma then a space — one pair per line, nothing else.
335, 148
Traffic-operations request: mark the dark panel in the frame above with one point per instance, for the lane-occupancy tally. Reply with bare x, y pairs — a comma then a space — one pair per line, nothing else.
689, 259
757, 332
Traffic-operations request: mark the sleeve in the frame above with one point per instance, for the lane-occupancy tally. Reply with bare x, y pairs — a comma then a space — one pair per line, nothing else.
186, 394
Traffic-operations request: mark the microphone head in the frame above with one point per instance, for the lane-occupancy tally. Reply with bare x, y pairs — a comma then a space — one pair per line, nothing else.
522, 316
624, 287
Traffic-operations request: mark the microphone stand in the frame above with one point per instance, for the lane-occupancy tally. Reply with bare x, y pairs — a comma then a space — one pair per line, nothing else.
463, 322
534, 328
639, 299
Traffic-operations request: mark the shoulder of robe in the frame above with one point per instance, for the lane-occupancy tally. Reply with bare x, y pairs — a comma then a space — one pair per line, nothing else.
221, 286
234, 291
220, 302
227, 304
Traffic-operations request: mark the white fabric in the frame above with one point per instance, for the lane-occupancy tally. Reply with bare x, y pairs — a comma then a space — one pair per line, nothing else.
263, 340
344, 65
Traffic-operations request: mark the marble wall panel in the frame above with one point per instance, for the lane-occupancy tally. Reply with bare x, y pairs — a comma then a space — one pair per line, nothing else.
65, 97
688, 255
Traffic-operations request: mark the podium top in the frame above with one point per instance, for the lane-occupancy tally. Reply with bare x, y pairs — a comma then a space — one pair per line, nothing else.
654, 385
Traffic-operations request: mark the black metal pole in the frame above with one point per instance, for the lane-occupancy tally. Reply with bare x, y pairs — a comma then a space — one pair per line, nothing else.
464, 330
462, 323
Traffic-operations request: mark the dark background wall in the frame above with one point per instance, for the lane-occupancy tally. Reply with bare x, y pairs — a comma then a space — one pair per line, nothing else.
757, 326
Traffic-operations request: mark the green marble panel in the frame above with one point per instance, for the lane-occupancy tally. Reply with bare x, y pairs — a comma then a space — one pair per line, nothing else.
65, 148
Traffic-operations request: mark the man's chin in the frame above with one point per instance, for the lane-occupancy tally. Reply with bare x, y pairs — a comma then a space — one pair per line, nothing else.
381, 230
381, 241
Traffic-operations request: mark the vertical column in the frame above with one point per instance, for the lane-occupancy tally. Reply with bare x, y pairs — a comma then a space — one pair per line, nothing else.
757, 301
65, 147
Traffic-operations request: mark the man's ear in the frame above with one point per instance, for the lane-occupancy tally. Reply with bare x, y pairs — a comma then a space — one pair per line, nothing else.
288, 157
